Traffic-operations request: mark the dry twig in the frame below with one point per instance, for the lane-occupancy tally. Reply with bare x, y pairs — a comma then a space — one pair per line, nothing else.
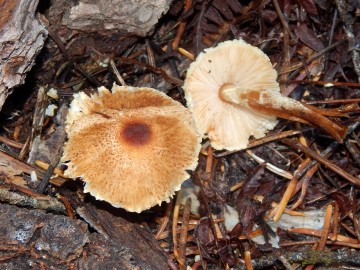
323, 161
184, 233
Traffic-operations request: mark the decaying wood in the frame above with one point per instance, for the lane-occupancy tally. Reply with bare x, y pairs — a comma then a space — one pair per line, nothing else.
20, 199
37, 237
137, 17
37, 121
136, 242
21, 39
8, 162
332, 260
346, 10
136, 245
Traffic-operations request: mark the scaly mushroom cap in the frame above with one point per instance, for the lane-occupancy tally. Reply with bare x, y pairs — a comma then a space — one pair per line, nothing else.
230, 64
131, 146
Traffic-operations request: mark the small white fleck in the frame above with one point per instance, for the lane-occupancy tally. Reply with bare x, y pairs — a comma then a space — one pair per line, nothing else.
50, 110
33, 176
328, 85
53, 93
231, 217
104, 63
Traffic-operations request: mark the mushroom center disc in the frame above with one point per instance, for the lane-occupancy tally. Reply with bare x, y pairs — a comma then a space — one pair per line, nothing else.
223, 91
136, 133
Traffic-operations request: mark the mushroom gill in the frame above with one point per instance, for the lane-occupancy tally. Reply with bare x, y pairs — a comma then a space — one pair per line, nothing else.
233, 93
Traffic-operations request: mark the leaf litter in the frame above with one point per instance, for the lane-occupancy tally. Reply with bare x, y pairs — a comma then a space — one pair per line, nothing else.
312, 44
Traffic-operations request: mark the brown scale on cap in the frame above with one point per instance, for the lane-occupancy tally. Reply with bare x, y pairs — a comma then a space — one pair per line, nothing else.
233, 94
135, 133
132, 147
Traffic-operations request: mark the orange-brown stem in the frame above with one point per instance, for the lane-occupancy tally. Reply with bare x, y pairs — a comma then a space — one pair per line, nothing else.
271, 102
325, 112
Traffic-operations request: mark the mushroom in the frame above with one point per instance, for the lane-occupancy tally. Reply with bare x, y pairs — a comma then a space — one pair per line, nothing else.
130, 146
233, 93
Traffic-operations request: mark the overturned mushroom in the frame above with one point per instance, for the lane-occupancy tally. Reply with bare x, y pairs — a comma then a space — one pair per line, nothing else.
233, 93
131, 146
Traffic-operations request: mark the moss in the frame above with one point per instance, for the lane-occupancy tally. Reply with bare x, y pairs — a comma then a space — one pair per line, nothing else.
317, 257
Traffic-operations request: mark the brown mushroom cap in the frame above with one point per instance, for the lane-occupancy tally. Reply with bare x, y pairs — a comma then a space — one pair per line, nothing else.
131, 146
231, 64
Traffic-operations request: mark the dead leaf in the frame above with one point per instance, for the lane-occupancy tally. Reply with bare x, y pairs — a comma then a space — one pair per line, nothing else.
309, 38
309, 6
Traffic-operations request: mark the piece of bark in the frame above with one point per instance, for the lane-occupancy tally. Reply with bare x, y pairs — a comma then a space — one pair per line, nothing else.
138, 17
34, 237
45, 149
16, 165
346, 12
21, 39
140, 244
20, 199
347, 259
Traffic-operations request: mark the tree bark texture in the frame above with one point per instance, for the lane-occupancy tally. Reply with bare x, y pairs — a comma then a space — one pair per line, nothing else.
34, 239
134, 16
21, 39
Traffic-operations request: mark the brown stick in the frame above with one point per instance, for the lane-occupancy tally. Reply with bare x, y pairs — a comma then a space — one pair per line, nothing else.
335, 222
11, 142
69, 209
247, 258
209, 160
312, 232
311, 242
282, 19
305, 184
326, 228
323, 161
182, 24
155, 70
266, 139
183, 234
285, 199
165, 220
326, 83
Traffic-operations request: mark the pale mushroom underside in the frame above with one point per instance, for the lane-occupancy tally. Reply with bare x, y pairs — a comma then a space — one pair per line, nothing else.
237, 64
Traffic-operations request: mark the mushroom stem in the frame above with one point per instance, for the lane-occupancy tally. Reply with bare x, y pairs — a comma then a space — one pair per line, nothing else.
273, 103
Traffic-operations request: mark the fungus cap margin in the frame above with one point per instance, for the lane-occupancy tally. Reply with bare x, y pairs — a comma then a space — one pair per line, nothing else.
123, 175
